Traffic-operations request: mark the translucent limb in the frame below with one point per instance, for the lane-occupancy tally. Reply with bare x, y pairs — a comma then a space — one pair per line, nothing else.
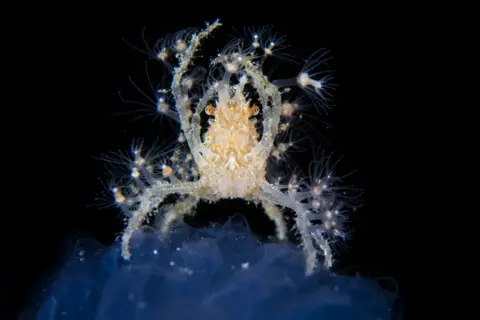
178, 90
308, 232
276, 215
271, 101
176, 212
151, 198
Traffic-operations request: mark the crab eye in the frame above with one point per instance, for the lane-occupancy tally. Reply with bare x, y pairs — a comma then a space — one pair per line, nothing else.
210, 110
254, 110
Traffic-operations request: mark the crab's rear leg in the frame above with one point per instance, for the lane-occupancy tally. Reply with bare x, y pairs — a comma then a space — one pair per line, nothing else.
151, 198
176, 212
309, 233
276, 215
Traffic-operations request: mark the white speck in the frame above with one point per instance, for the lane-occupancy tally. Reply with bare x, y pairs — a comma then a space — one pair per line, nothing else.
187, 271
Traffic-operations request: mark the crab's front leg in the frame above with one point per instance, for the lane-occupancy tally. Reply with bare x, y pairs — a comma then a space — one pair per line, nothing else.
189, 123
276, 215
151, 198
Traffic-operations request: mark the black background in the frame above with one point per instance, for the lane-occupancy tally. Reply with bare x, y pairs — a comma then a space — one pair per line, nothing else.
78, 62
